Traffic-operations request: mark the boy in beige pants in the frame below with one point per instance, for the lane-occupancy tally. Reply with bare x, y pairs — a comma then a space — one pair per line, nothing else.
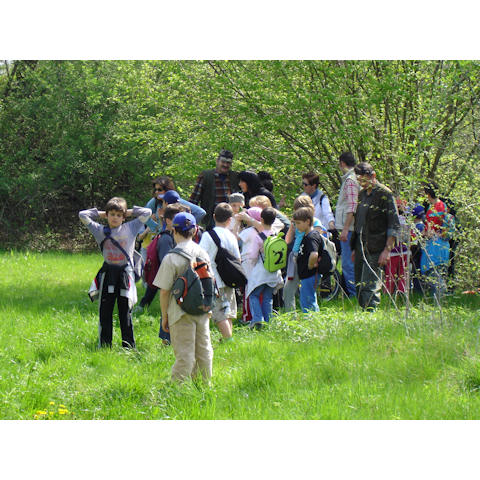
189, 334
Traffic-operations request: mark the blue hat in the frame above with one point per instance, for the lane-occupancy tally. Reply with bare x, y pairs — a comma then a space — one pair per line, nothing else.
418, 210
184, 221
171, 196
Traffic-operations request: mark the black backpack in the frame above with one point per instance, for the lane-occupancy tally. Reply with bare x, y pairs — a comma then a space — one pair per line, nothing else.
194, 290
228, 266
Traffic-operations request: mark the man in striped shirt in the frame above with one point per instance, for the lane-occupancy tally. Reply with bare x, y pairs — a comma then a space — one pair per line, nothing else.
214, 186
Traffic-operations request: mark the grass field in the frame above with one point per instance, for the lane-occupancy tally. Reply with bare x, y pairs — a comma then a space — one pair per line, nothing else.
339, 364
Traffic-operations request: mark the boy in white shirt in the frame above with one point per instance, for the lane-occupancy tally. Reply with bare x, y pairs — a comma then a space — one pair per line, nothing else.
225, 309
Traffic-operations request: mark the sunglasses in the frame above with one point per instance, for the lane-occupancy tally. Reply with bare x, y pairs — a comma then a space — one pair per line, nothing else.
305, 184
158, 189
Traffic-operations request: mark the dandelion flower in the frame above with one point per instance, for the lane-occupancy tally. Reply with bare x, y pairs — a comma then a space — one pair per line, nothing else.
62, 406
52, 403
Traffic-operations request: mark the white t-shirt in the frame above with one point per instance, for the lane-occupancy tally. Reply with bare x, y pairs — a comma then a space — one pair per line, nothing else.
227, 241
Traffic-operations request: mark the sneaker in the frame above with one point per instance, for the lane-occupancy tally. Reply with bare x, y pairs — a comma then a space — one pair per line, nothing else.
255, 325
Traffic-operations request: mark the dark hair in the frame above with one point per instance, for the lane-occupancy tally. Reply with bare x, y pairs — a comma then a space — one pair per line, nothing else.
303, 214
117, 203
430, 188
266, 180
165, 182
312, 178
268, 214
225, 154
187, 233
172, 209
223, 211
364, 168
348, 159
251, 179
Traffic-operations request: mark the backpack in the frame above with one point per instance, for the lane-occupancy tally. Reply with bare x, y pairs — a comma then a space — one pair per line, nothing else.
194, 290
198, 234
228, 266
151, 263
330, 249
275, 252
137, 263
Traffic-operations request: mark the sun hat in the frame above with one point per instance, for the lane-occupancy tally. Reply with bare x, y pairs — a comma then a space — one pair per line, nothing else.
255, 213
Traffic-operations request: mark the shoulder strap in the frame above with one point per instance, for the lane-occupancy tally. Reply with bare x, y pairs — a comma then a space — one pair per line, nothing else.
182, 253
321, 198
261, 235
107, 232
215, 237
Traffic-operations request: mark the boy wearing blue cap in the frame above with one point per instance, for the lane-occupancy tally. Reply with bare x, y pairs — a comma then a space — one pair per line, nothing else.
189, 334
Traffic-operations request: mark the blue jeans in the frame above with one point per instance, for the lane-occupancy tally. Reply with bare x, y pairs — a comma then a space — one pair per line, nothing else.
308, 294
261, 310
348, 269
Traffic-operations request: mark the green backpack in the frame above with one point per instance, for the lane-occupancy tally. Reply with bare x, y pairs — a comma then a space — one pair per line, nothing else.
275, 252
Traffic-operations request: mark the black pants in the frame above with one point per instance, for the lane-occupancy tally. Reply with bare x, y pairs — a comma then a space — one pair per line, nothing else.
107, 302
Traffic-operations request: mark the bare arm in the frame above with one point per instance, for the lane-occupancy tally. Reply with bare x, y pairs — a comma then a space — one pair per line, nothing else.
289, 237
312, 260
346, 227
164, 300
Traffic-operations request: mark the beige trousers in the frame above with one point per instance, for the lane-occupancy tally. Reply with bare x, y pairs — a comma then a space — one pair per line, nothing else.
190, 340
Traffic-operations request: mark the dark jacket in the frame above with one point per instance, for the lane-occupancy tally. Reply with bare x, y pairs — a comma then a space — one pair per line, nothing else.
205, 193
255, 188
376, 218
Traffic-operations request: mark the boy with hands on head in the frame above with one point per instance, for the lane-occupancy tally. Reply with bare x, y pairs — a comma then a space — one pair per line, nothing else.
115, 281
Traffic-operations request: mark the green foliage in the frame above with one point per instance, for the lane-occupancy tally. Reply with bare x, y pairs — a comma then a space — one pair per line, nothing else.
75, 133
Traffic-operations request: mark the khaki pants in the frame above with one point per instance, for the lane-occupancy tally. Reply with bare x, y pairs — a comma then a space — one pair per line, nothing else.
190, 339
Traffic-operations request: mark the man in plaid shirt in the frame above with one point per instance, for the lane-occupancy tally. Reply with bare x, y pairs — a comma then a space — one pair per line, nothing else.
344, 216
214, 186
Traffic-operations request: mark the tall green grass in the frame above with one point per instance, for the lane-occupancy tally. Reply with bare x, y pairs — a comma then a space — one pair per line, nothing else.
338, 364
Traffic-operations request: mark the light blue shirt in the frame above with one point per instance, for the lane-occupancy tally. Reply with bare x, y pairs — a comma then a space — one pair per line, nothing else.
299, 235
197, 212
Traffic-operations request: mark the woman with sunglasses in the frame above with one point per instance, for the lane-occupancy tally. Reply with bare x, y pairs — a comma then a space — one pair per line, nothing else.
161, 185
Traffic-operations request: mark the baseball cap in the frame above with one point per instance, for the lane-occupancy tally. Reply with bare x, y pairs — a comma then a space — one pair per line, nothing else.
171, 196
184, 221
418, 210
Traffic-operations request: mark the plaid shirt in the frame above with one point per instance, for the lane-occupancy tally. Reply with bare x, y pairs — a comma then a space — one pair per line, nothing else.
222, 190
351, 193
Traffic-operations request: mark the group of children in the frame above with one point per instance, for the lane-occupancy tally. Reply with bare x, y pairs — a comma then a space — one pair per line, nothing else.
241, 232
242, 235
